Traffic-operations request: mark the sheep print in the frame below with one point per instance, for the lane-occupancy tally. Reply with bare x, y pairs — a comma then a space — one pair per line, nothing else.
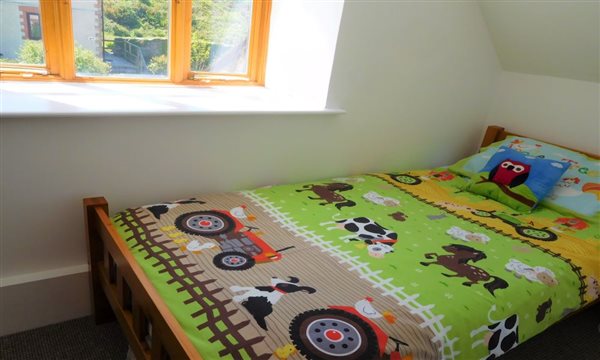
401, 265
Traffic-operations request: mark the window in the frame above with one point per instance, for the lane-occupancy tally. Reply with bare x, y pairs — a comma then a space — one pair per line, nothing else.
164, 41
220, 36
34, 28
21, 34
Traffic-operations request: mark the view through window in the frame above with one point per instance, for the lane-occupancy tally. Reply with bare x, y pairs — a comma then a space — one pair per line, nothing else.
21, 29
220, 36
121, 37
179, 41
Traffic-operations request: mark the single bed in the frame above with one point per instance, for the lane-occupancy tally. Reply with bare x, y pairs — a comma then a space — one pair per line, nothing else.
398, 265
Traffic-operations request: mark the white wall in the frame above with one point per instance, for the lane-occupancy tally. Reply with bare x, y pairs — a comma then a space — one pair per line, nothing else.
87, 25
38, 303
559, 110
416, 79
555, 38
303, 37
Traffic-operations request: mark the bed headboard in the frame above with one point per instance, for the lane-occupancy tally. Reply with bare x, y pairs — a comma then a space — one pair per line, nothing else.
497, 133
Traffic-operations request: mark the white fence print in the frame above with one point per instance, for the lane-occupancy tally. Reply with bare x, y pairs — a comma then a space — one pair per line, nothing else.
430, 320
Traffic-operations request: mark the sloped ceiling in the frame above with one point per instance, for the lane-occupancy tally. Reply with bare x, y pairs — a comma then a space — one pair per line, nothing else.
553, 38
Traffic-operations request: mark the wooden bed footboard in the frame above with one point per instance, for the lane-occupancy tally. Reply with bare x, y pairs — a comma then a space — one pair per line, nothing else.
120, 289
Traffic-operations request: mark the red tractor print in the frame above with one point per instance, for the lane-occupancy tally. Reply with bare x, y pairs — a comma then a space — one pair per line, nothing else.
241, 249
342, 332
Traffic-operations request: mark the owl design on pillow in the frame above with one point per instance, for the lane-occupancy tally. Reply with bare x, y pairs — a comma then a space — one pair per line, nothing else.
517, 180
510, 173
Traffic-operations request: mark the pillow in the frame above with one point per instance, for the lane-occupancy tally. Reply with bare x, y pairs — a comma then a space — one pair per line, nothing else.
517, 180
576, 194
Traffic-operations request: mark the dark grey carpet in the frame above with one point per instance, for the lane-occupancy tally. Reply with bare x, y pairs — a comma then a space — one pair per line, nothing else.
577, 338
77, 339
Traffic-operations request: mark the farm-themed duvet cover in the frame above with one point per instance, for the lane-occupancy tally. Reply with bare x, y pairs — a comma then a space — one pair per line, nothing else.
383, 266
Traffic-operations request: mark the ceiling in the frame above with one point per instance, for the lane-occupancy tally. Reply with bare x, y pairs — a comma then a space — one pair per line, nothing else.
553, 38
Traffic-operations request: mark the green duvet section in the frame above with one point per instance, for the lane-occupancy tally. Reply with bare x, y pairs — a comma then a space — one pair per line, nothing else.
423, 229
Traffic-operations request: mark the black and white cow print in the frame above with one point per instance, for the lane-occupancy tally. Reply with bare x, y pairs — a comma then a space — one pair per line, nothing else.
501, 336
368, 230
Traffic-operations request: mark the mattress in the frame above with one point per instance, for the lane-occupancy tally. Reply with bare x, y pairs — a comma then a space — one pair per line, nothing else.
391, 265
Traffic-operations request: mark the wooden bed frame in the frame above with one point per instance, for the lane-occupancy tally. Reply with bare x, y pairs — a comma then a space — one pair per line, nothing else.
119, 287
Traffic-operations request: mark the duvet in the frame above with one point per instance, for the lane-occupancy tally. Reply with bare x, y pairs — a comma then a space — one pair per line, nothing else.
385, 266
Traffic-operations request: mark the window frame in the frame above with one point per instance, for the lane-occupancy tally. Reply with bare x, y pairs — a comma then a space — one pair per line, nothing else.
59, 50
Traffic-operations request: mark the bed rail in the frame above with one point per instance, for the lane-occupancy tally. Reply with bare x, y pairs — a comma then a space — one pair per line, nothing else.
120, 289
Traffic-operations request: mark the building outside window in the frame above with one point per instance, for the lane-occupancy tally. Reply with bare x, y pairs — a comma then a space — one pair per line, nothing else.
34, 28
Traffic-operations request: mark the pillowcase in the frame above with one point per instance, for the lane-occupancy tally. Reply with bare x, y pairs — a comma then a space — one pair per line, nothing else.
576, 194
517, 180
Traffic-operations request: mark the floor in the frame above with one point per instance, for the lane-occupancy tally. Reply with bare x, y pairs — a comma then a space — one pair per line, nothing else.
577, 338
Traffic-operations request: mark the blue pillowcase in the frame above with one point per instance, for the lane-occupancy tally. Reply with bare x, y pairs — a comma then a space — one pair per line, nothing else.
517, 180
576, 194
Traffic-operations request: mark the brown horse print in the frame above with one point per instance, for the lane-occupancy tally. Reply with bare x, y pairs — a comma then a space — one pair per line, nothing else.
327, 193
458, 262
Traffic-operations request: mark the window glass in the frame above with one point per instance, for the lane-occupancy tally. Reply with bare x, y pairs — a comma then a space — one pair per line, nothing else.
21, 32
34, 27
220, 35
122, 38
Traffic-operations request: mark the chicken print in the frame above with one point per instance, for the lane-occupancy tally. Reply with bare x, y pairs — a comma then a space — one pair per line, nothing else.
367, 310
240, 213
196, 247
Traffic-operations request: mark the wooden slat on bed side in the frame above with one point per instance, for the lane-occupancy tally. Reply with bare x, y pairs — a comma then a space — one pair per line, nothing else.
101, 308
168, 338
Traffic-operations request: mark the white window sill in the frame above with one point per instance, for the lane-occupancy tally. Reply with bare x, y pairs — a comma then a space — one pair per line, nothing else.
53, 99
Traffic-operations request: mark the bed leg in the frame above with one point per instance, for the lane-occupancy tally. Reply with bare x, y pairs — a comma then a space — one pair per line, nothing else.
101, 309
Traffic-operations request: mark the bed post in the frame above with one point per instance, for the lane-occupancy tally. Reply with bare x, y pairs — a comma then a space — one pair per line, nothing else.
493, 133
101, 308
